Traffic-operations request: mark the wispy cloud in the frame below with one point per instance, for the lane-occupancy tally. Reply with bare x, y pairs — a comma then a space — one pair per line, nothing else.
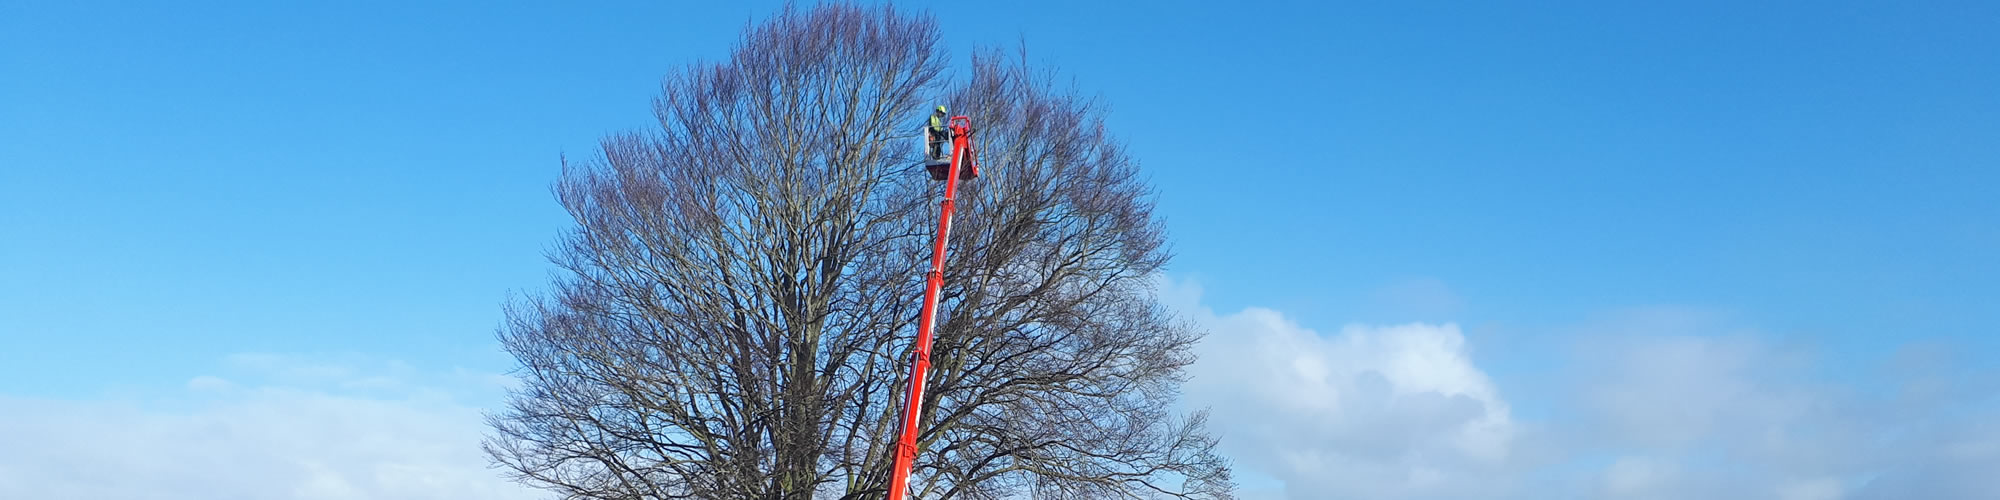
1649, 403
279, 427
1739, 416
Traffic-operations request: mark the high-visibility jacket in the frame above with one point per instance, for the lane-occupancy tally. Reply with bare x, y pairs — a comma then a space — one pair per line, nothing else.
937, 125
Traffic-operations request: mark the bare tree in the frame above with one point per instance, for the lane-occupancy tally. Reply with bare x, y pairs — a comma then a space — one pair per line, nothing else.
734, 312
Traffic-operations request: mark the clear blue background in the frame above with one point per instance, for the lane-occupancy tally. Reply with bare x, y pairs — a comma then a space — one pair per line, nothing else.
181, 181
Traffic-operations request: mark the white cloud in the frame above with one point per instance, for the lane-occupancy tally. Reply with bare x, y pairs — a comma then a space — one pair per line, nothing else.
1654, 403
1372, 412
407, 437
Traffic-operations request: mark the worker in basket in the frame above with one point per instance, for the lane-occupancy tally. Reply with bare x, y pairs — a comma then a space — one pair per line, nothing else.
937, 136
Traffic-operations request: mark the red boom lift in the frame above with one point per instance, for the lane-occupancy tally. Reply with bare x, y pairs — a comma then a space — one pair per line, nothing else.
962, 165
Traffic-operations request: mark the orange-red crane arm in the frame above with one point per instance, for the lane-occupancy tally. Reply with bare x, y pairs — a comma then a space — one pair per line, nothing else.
906, 444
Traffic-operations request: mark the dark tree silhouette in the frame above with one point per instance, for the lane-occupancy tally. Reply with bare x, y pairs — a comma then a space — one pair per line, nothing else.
738, 296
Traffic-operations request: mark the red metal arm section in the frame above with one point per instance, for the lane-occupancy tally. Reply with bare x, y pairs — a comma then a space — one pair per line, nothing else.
906, 444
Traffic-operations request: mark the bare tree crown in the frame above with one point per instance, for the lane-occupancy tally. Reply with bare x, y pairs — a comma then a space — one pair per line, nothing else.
735, 305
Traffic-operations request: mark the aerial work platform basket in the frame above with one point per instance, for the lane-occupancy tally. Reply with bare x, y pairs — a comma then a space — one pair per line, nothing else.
940, 152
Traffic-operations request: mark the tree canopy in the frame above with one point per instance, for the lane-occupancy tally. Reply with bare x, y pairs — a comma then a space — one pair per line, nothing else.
734, 307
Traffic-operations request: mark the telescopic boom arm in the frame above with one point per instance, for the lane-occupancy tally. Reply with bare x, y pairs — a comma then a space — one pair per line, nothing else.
906, 444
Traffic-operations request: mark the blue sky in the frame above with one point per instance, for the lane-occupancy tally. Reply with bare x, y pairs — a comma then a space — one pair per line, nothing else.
286, 198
